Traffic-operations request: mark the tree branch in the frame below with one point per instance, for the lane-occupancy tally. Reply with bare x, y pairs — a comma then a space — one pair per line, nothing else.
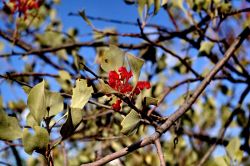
159, 151
182, 110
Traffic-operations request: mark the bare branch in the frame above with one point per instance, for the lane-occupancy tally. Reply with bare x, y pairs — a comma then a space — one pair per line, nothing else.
159, 151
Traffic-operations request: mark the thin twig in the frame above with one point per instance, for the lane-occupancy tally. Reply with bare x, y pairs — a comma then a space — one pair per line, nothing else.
159, 152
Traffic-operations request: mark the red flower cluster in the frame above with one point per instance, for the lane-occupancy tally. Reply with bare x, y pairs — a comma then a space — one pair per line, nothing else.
23, 6
117, 105
120, 82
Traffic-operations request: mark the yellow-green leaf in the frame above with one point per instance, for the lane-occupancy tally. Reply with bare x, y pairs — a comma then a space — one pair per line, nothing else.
1, 46
54, 103
206, 47
150, 101
9, 127
130, 123
81, 94
141, 6
37, 102
31, 121
233, 149
38, 142
157, 6
221, 161
164, 2
105, 88
112, 59
26, 89
135, 64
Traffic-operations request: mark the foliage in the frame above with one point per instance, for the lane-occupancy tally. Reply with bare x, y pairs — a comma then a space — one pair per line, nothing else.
179, 69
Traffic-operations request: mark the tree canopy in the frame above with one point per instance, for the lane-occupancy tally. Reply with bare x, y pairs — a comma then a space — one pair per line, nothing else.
128, 82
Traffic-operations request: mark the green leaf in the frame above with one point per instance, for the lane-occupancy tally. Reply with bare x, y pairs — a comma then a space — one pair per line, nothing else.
1, 102
130, 123
54, 103
64, 80
150, 101
1, 46
81, 94
221, 161
26, 89
233, 149
141, 5
9, 127
105, 88
77, 60
42, 102
64, 75
135, 65
38, 142
37, 102
150, 2
206, 47
30, 121
85, 18
112, 59
157, 6
73, 120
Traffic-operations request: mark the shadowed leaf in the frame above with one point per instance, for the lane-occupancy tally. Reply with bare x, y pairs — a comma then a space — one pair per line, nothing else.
9, 127
38, 142
130, 123
73, 120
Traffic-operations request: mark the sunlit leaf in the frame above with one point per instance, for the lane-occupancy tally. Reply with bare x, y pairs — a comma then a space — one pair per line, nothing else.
9, 127
141, 5
64, 79
54, 103
1, 46
157, 6
206, 47
221, 161
37, 102
64, 75
105, 88
130, 123
150, 2
81, 94
135, 64
150, 101
31, 121
164, 2
38, 142
112, 59
233, 149
50, 39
